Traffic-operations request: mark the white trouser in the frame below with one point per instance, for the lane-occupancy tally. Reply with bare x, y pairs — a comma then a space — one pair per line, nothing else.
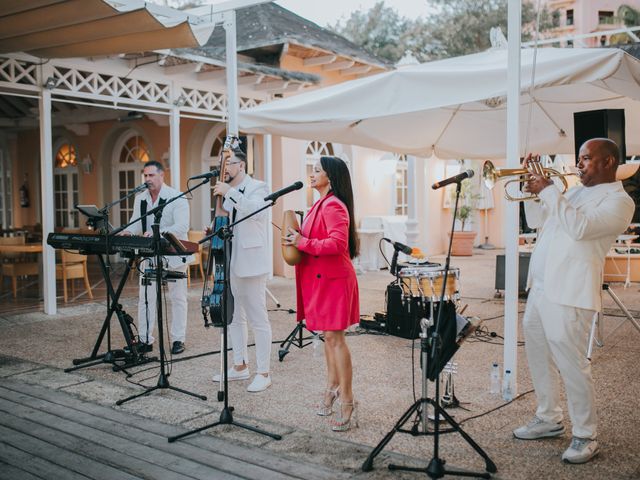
177, 297
250, 304
555, 338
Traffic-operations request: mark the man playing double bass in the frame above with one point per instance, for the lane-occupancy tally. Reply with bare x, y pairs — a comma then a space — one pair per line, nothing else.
250, 268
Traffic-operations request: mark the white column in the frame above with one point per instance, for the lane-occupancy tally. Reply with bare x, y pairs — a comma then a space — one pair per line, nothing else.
510, 357
267, 154
174, 147
232, 71
46, 167
413, 233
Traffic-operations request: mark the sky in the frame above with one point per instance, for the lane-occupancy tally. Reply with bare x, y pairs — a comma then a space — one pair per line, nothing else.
328, 12
325, 12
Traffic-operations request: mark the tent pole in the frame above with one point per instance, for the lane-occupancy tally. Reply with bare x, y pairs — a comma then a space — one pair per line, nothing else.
510, 357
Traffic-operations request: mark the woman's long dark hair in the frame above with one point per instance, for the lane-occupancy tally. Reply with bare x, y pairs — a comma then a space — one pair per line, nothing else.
338, 174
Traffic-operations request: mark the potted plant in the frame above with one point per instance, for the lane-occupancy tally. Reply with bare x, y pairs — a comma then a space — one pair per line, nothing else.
463, 239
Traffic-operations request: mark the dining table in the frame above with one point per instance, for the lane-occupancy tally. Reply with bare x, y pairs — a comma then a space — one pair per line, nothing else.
27, 248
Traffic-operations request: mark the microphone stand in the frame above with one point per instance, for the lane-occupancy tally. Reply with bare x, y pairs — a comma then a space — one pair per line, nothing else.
430, 350
163, 379
226, 415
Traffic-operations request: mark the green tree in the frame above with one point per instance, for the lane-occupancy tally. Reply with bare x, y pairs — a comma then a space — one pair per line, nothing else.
629, 15
462, 27
380, 30
457, 27
631, 18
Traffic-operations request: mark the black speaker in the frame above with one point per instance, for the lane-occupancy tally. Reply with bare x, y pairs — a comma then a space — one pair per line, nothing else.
599, 124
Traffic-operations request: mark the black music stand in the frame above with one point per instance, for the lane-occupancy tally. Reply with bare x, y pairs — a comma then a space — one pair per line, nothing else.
432, 357
163, 378
226, 415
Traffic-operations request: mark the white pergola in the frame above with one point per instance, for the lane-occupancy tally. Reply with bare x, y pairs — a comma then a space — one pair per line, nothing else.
117, 81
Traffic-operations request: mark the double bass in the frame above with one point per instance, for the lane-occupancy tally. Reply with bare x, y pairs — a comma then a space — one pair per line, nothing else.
217, 299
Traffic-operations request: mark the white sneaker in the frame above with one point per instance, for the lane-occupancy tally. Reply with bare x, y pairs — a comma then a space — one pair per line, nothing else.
581, 450
233, 375
538, 428
260, 383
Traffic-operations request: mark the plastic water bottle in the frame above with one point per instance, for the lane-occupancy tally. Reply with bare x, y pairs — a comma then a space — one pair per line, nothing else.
316, 344
495, 379
507, 386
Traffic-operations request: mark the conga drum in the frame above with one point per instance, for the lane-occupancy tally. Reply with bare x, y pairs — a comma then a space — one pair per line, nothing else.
290, 253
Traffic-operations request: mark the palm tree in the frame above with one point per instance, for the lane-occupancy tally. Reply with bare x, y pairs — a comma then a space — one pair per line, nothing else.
628, 15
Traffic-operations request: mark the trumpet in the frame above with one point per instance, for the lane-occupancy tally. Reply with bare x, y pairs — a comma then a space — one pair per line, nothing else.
492, 175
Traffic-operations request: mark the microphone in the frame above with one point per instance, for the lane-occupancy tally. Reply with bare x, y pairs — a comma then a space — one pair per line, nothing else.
400, 247
454, 179
140, 188
208, 175
283, 191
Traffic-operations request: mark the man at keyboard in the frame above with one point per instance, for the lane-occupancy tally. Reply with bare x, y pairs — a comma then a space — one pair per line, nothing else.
175, 220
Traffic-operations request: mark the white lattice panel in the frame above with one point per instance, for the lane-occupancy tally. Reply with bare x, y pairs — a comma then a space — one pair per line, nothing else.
204, 100
105, 85
249, 102
17, 71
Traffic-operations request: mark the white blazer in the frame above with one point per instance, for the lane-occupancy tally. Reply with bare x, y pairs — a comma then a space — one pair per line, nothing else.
175, 219
587, 222
249, 251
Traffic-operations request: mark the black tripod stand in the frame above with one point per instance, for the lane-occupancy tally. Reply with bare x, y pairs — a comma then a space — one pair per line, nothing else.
163, 379
432, 361
226, 415
297, 339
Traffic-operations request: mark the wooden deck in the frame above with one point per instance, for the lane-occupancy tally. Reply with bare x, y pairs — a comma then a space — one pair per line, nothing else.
46, 434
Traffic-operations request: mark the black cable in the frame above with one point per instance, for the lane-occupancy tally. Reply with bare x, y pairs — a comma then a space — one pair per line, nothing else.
494, 409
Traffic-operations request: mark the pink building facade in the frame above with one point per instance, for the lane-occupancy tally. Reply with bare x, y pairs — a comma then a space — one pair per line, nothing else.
576, 17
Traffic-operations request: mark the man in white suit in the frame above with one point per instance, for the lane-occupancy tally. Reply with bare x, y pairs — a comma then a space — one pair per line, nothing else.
175, 219
565, 282
250, 268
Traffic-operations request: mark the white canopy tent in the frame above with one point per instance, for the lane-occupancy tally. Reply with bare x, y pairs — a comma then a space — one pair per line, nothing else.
456, 108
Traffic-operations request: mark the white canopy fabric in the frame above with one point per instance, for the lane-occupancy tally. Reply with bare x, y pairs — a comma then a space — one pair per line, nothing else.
86, 28
456, 108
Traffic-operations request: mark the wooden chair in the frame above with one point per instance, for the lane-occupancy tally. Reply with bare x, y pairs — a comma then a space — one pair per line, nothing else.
195, 236
16, 265
72, 265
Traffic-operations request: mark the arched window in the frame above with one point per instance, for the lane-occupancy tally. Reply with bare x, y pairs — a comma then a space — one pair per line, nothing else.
400, 179
131, 153
315, 150
65, 186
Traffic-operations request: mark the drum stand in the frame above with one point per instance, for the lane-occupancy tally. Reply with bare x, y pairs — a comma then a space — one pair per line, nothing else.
430, 347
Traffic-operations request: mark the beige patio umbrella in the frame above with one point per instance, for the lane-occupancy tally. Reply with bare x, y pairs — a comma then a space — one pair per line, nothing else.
87, 28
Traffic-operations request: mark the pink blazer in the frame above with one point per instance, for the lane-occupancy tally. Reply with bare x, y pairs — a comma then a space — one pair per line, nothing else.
326, 284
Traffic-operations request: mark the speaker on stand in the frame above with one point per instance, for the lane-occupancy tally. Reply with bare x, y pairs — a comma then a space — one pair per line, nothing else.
600, 124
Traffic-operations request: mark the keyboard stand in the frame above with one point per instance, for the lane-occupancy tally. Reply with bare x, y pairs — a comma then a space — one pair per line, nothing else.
129, 356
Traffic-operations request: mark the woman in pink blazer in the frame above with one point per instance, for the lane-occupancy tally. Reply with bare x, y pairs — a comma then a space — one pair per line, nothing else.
326, 284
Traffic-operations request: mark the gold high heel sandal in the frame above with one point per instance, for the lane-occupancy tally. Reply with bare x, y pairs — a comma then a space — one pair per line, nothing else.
342, 425
325, 410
